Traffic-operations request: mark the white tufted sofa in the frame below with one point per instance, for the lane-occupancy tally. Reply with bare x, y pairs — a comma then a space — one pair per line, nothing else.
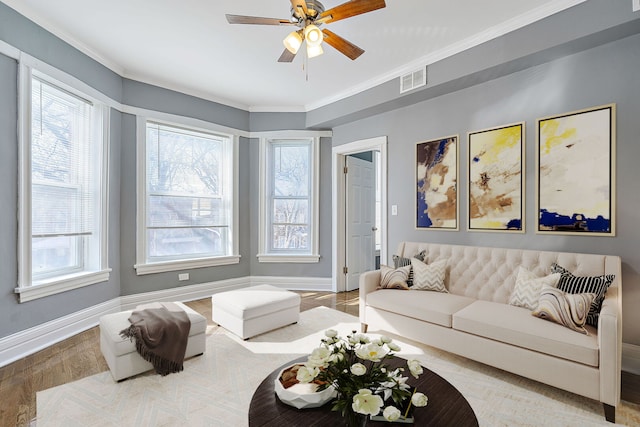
475, 320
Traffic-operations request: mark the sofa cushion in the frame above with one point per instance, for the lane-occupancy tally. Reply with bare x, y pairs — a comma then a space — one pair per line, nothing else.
569, 310
528, 287
515, 326
433, 307
429, 277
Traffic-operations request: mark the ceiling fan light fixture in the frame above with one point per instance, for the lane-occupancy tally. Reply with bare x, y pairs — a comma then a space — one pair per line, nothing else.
293, 42
308, 15
313, 51
313, 35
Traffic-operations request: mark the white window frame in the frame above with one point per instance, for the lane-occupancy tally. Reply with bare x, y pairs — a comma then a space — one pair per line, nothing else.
29, 289
266, 175
142, 266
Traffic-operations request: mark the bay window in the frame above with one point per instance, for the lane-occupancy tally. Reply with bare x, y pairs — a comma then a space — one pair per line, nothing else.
185, 199
62, 187
289, 200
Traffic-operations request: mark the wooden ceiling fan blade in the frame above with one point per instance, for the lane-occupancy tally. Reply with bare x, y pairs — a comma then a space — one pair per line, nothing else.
299, 8
349, 9
286, 56
342, 45
256, 20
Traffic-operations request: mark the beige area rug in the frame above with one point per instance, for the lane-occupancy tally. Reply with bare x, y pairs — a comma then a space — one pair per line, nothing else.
215, 389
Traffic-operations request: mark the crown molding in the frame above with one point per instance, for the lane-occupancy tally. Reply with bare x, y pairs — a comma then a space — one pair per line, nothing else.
29, 13
513, 24
491, 33
184, 90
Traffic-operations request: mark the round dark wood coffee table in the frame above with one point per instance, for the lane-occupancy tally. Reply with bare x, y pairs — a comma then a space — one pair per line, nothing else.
447, 407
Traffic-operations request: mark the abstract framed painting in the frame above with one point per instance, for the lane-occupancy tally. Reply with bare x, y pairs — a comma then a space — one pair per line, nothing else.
437, 184
496, 179
576, 172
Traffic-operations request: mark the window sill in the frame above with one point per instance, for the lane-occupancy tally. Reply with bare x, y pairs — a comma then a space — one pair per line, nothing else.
162, 267
57, 285
288, 258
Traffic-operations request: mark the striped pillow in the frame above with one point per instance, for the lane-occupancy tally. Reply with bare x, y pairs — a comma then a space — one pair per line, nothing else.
399, 261
583, 284
568, 310
394, 278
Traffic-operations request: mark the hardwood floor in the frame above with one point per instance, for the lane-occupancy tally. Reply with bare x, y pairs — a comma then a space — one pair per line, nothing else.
79, 356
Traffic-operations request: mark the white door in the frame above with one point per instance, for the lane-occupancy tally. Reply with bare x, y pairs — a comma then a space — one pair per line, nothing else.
360, 219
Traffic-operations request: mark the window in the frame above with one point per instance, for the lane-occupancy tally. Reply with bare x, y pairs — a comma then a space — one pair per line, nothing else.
186, 206
289, 209
63, 189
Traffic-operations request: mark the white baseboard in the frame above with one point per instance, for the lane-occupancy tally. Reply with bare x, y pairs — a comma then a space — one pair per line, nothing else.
323, 284
631, 358
29, 341
183, 293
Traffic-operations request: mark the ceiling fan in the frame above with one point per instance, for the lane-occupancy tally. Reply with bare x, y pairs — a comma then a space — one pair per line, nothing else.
309, 15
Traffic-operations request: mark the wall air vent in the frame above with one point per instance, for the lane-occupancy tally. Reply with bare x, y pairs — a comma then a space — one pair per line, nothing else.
413, 80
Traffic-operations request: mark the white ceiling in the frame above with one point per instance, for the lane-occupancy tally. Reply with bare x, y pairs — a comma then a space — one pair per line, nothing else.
187, 45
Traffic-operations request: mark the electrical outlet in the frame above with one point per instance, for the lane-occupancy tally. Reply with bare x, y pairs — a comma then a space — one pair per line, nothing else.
394, 209
183, 276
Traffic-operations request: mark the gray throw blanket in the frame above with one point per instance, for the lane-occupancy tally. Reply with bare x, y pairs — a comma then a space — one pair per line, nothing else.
161, 332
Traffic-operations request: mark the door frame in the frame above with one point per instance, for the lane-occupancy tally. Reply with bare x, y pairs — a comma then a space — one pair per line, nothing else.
338, 221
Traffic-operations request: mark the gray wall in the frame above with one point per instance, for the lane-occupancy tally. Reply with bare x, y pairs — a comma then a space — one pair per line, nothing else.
594, 77
23, 34
586, 25
143, 95
319, 269
131, 283
39, 43
537, 71
28, 37
8, 191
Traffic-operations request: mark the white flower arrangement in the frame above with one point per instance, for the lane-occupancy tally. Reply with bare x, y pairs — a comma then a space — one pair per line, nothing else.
355, 368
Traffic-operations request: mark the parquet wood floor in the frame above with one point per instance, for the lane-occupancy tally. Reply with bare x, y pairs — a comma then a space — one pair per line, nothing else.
79, 356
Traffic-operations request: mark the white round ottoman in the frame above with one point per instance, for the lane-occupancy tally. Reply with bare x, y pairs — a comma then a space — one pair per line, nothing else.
248, 312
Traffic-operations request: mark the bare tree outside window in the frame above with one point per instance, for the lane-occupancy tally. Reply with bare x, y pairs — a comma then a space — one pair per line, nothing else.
290, 201
61, 179
186, 212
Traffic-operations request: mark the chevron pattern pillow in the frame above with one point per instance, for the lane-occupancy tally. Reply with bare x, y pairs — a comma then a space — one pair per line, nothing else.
394, 278
528, 287
429, 277
570, 310
581, 284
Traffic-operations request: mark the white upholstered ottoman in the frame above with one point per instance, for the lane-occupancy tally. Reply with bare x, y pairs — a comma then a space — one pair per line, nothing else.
248, 312
120, 353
